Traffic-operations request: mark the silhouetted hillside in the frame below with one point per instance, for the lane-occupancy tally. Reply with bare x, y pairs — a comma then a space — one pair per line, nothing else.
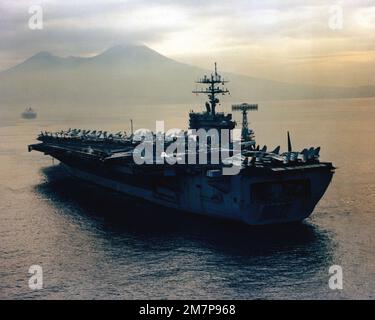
137, 74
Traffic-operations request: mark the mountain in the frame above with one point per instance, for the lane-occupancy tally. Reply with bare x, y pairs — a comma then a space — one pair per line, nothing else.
137, 74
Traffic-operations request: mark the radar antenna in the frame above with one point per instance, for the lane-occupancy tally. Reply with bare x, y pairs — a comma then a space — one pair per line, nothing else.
215, 83
246, 133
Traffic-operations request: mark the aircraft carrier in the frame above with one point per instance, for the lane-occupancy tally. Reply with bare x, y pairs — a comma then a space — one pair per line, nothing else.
268, 187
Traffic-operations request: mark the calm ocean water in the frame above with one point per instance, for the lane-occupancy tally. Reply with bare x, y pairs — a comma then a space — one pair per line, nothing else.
96, 244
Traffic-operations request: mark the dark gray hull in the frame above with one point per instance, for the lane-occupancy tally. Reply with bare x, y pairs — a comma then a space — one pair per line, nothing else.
29, 115
253, 199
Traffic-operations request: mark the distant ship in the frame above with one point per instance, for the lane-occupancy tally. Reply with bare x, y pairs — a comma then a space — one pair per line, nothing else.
269, 188
29, 113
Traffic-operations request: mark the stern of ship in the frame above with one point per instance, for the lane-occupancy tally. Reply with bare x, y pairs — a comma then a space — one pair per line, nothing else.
289, 195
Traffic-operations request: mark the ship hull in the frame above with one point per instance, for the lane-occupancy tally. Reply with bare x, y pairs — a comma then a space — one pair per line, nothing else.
254, 199
28, 115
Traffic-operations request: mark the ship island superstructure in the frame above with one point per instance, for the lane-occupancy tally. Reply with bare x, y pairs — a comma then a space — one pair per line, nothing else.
270, 187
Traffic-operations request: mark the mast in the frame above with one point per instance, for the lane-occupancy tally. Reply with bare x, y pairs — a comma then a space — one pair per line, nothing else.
215, 85
244, 108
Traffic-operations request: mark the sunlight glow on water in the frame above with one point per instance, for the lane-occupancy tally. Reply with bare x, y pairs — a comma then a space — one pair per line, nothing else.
93, 243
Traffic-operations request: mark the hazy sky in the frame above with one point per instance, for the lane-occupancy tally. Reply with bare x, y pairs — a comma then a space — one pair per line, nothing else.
295, 41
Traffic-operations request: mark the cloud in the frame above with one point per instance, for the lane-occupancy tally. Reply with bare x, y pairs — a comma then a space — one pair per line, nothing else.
250, 31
